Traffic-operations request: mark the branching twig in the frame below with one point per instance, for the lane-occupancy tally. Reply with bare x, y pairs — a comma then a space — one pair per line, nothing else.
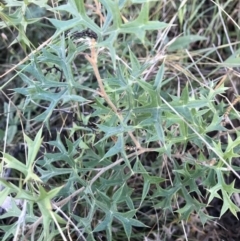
93, 61
101, 171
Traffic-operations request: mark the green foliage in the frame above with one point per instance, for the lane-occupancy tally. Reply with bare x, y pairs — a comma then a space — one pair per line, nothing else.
95, 158
183, 42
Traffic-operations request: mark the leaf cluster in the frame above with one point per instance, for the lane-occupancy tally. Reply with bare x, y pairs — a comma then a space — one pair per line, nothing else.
107, 127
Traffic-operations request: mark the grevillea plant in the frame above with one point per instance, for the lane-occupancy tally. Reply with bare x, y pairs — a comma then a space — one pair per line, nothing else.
115, 126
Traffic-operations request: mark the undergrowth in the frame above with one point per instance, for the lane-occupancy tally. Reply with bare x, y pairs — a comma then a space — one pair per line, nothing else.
119, 119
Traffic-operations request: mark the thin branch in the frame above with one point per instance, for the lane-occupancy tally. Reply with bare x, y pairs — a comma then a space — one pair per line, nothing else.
26, 58
101, 171
93, 61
